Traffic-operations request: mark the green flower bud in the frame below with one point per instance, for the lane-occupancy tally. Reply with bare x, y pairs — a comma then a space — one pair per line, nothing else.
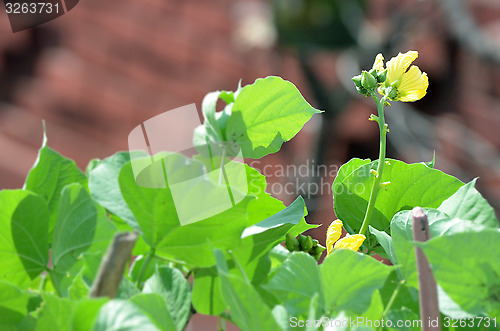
305, 243
357, 80
317, 249
363, 91
315, 242
291, 243
368, 81
382, 76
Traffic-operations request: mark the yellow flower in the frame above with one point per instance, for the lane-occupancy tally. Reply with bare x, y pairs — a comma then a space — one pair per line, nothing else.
333, 234
352, 242
401, 84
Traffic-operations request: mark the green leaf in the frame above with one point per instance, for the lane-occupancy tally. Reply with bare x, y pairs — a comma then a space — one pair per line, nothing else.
290, 215
208, 108
124, 316
247, 308
105, 188
55, 313
75, 226
281, 316
386, 241
295, 282
136, 267
81, 226
411, 185
127, 289
207, 296
345, 170
153, 208
468, 204
13, 304
466, 266
155, 307
402, 237
193, 243
260, 238
49, 175
349, 280
24, 223
266, 114
407, 297
264, 206
174, 288
85, 313
431, 163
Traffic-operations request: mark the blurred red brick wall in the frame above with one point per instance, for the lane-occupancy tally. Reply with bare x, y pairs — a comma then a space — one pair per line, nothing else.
107, 66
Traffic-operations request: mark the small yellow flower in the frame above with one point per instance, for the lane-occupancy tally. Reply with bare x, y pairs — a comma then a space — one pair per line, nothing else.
406, 85
333, 234
352, 242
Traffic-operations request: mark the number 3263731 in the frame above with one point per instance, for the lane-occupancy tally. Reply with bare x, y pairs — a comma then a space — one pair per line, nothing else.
31, 8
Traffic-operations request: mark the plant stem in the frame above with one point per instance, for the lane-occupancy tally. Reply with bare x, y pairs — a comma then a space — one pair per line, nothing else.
41, 287
144, 266
391, 300
380, 167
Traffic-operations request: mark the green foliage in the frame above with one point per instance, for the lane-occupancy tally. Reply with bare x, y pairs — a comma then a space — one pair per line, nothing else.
266, 114
24, 223
299, 272
49, 175
350, 279
13, 304
411, 184
471, 278
174, 288
231, 263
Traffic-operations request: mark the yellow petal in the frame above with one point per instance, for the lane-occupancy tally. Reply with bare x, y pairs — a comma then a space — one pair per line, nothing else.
352, 242
413, 86
397, 66
379, 62
333, 234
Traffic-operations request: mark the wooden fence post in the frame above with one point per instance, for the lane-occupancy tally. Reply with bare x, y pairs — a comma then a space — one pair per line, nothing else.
429, 308
113, 266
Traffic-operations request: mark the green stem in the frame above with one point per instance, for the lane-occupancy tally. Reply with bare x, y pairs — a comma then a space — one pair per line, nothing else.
41, 288
391, 301
144, 267
380, 167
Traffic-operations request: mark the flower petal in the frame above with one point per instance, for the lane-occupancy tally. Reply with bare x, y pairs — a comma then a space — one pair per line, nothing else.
413, 86
333, 234
397, 66
379, 63
352, 242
